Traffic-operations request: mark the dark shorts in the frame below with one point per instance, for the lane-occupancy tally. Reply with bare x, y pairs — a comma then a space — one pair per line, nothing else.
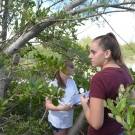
54, 129
123, 133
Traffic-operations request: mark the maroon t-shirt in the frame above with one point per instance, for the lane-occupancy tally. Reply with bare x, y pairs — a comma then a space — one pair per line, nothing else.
104, 85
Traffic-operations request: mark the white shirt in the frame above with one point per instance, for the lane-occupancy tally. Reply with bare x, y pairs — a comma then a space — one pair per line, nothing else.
64, 119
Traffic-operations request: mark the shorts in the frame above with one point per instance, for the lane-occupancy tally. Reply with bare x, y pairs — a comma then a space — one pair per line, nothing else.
123, 133
54, 129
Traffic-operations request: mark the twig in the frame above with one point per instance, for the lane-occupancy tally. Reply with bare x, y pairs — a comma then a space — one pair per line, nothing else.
44, 115
117, 33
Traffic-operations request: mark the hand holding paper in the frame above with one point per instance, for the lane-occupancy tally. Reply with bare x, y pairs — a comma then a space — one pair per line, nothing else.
75, 100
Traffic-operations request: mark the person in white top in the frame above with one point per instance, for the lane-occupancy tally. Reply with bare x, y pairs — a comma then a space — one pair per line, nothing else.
61, 117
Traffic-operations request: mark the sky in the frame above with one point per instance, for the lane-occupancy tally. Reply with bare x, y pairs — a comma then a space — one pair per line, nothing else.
122, 23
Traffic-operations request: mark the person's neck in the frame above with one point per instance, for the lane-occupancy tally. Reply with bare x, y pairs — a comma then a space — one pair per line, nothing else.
110, 64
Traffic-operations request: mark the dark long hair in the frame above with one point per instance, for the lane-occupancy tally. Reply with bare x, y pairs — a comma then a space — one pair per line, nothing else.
61, 84
109, 42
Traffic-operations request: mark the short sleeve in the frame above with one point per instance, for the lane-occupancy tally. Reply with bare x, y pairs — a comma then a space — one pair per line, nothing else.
75, 87
97, 86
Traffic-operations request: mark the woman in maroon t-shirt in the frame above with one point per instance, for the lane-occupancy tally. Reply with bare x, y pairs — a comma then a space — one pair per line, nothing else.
105, 53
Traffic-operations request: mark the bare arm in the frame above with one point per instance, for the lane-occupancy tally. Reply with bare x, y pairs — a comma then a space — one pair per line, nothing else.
50, 106
95, 113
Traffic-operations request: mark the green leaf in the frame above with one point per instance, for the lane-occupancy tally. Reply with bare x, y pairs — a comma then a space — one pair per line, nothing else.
110, 102
130, 118
54, 90
128, 88
121, 105
114, 110
125, 125
104, 103
4, 102
27, 93
62, 68
61, 93
40, 121
2, 109
32, 81
55, 101
119, 119
40, 86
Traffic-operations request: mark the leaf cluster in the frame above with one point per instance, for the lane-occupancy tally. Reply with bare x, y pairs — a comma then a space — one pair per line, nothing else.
123, 109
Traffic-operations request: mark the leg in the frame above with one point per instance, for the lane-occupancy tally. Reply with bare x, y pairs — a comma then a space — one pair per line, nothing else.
63, 132
59, 131
68, 130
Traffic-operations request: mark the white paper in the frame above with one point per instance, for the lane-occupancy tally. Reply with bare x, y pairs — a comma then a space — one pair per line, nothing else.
75, 100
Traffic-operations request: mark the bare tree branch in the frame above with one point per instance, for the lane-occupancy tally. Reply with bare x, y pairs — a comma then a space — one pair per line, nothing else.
77, 124
32, 32
73, 4
117, 6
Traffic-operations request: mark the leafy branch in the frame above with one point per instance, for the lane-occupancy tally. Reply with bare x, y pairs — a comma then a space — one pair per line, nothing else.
123, 109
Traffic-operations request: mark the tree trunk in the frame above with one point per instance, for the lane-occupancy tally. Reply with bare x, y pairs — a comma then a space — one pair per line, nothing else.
2, 81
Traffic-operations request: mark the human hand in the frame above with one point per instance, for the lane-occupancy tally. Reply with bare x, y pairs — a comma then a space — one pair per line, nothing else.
68, 107
84, 100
